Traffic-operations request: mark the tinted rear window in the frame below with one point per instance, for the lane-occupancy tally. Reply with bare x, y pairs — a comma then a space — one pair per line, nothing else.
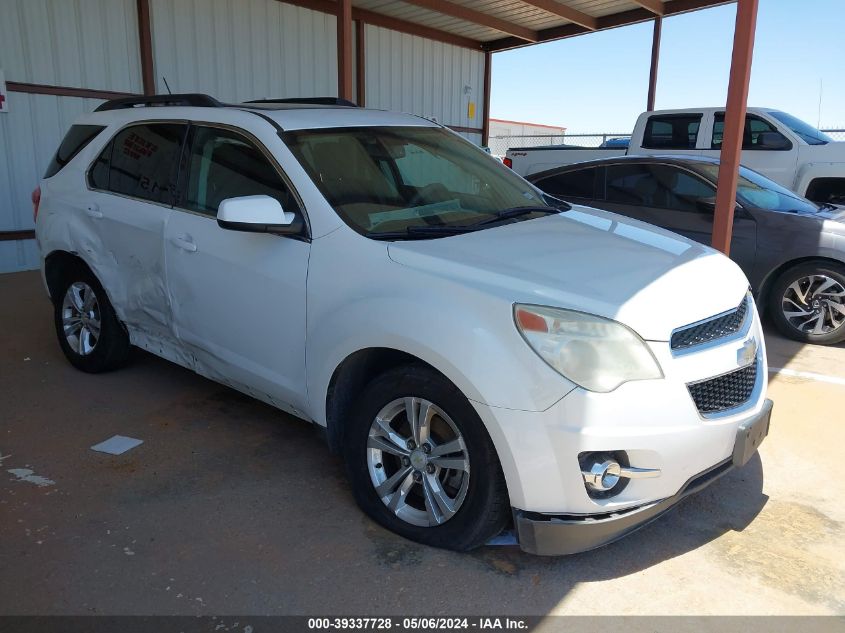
77, 137
143, 161
572, 184
673, 131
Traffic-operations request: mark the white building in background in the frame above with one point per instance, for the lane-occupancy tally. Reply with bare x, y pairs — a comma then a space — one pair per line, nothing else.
503, 127
505, 134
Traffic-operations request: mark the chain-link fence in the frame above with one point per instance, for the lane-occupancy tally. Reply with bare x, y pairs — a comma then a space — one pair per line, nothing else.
500, 144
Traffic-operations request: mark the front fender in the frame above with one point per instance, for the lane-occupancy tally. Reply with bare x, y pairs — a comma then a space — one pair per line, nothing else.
810, 171
466, 334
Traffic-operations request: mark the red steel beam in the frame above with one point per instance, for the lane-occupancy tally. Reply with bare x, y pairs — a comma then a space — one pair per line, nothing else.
145, 41
743, 50
360, 62
485, 112
344, 49
655, 58
65, 91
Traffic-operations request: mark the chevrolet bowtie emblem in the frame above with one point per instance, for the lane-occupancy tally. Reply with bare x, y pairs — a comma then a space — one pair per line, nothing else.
746, 354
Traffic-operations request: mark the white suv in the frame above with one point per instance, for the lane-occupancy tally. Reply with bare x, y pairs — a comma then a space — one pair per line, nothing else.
479, 353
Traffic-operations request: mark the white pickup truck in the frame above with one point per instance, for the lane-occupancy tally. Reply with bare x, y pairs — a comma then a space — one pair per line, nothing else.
776, 144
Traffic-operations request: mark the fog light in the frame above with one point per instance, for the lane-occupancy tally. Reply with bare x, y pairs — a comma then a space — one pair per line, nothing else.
606, 474
602, 476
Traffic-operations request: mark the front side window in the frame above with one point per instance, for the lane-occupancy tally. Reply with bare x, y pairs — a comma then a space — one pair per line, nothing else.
141, 162
224, 164
660, 186
756, 190
672, 131
758, 134
580, 183
805, 131
394, 179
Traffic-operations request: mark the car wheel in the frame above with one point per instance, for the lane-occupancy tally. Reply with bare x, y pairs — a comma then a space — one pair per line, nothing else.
807, 303
421, 462
90, 335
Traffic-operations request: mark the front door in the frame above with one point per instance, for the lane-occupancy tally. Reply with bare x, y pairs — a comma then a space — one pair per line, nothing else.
238, 299
764, 148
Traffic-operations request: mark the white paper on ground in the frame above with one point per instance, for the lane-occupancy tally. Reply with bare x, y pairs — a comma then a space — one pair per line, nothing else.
117, 445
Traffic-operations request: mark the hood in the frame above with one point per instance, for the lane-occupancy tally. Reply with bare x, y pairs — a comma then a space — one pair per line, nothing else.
588, 260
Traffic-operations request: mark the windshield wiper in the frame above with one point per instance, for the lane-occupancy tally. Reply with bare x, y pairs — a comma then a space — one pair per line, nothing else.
515, 212
431, 231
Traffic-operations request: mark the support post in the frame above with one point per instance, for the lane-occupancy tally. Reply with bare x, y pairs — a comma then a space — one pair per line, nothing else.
344, 49
743, 48
655, 58
145, 41
485, 110
360, 61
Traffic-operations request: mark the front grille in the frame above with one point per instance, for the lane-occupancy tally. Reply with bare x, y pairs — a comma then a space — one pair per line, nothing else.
711, 329
724, 392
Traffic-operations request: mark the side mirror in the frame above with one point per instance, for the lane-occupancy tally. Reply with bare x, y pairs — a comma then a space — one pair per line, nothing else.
257, 214
706, 205
773, 141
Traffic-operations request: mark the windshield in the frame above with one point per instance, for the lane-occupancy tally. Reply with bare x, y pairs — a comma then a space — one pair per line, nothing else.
807, 132
392, 179
756, 190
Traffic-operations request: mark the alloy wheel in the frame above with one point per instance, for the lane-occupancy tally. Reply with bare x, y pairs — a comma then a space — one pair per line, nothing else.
814, 304
418, 461
81, 318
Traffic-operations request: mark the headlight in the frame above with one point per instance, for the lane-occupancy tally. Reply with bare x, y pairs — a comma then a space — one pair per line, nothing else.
591, 351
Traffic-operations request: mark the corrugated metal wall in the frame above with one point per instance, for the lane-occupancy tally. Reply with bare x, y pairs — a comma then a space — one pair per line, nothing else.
78, 43
421, 76
238, 50
232, 49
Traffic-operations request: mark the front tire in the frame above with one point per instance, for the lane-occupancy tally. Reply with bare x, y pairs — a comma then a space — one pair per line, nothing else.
421, 462
89, 332
807, 303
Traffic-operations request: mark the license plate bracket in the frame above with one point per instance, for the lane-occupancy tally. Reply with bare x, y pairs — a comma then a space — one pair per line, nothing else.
751, 434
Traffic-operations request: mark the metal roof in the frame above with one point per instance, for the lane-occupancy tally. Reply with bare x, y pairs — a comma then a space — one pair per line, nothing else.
502, 24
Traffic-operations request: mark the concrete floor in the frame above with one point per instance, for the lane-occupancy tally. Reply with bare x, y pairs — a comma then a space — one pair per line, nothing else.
230, 507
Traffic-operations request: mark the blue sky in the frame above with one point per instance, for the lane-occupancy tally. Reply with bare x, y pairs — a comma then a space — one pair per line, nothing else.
599, 82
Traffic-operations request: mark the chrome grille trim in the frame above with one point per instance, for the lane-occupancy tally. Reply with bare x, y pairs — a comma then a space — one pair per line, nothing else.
712, 329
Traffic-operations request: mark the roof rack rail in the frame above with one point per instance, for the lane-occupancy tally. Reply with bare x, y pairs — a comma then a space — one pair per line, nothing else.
337, 101
187, 99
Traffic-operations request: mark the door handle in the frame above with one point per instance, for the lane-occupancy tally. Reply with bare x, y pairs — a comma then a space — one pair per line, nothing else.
93, 211
184, 242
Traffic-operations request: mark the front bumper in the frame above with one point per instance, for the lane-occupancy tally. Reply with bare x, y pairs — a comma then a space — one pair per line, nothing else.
554, 535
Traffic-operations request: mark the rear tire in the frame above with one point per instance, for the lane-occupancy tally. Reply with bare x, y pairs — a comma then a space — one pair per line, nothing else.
807, 303
441, 485
89, 332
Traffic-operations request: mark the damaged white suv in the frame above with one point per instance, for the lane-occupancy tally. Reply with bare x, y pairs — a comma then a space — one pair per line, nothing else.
479, 353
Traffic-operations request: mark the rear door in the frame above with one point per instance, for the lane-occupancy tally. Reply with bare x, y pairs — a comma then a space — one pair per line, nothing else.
133, 181
676, 199
238, 299
676, 133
